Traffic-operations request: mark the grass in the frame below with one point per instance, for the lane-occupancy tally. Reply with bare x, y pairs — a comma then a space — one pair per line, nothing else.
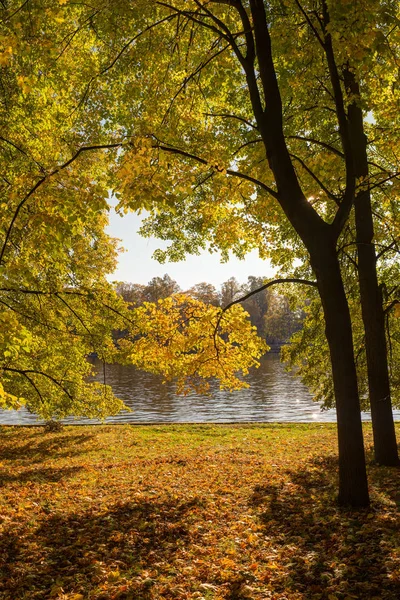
206, 512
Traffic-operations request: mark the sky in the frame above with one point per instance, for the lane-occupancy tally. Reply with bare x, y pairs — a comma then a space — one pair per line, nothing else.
136, 264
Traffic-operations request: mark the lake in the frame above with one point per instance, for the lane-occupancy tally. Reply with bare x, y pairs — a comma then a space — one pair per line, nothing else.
274, 395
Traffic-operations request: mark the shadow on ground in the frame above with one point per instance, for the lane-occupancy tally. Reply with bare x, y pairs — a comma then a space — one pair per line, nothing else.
302, 546
41, 446
324, 549
39, 475
74, 552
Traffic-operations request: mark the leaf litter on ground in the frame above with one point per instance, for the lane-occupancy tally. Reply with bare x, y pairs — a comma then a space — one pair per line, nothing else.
206, 512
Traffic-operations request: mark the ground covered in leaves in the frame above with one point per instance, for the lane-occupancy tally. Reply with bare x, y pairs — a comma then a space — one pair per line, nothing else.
206, 512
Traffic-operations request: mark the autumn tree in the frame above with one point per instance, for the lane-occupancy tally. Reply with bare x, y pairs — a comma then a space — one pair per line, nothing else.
258, 305
160, 287
132, 293
230, 290
206, 292
245, 94
56, 305
374, 169
252, 125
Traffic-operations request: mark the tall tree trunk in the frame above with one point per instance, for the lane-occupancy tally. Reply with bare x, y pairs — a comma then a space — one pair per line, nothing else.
318, 237
353, 487
385, 446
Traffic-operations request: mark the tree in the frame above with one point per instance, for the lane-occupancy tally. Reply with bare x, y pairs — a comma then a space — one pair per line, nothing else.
205, 292
178, 338
133, 293
281, 321
228, 159
56, 305
270, 312
55, 301
160, 287
373, 167
358, 76
241, 36
230, 290
385, 446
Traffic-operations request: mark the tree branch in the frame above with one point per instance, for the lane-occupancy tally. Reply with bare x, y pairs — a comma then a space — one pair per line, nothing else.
390, 306
310, 24
35, 372
316, 179
252, 293
230, 172
317, 143
228, 116
394, 245
249, 143
192, 75
42, 180
348, 198
120, 53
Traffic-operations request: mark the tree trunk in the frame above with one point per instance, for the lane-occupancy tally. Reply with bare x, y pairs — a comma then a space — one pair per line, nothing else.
353, 487
319, 238
385, 446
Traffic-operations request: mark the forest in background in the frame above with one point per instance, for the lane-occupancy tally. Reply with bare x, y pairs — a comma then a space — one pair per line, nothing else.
269, 311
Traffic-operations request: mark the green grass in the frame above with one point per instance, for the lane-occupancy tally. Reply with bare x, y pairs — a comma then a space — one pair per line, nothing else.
214, 512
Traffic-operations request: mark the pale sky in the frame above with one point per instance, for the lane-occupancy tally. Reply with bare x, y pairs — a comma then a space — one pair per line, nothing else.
136, 264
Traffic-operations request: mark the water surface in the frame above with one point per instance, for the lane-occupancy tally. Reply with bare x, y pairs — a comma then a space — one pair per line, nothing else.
274, 395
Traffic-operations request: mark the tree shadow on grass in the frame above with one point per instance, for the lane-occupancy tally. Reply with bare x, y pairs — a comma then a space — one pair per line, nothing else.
38, 475
324, 549
39, 448
82, 552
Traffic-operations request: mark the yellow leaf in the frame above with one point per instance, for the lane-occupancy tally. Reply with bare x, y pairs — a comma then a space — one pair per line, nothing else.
5, 56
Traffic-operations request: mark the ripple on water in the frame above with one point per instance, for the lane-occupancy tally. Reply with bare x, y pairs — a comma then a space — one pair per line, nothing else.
274, 395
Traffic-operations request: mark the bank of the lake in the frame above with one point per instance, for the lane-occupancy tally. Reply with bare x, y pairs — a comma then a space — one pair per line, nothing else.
211, 512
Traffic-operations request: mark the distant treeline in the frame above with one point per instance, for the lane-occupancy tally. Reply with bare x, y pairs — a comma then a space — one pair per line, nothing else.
269, 311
